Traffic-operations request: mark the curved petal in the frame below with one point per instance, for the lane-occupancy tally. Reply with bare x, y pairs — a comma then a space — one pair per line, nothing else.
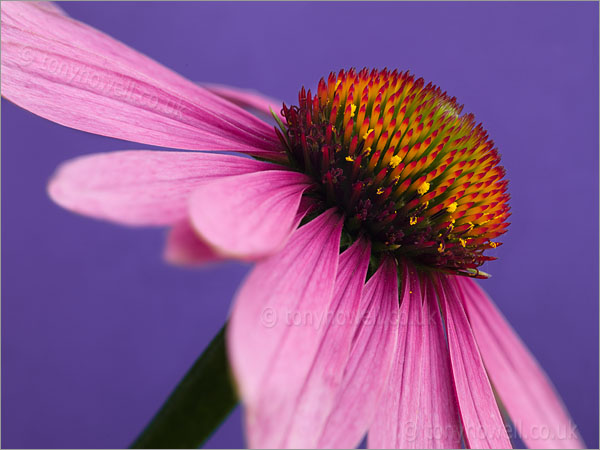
481, 419
372, 352
247, 99
274, 329
185, 247
249, 216
418, 409
70, 73
139, 187
525, 390
320, 388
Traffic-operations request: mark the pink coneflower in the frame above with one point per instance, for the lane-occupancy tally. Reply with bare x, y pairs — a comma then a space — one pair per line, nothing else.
368, 210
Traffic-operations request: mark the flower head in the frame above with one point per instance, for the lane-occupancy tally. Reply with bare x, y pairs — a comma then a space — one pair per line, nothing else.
408, 171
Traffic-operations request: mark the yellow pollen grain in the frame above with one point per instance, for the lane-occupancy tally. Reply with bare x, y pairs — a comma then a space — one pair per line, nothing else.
367, 151
379, 191
452, 207
413, 220
349, 159
471, 226
462, 242
395, 161
441, 247
426, 205
366, 135
493, 244
423, 188
352, 109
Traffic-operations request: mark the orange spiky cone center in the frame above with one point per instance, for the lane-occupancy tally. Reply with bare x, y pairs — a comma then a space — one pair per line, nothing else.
403, 165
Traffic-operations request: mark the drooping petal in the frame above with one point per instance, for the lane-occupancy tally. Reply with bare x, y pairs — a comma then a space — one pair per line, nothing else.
418, 409
369, 364
70, 73
274, 330
140, 187
525, 390
247, 99
249, 216
320, 388
185, 247
482, 423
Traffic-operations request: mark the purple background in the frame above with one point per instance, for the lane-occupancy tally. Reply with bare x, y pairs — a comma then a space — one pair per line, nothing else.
96, 329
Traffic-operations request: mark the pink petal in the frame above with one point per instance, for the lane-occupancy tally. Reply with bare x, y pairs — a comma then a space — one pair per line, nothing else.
70, 73
320, 388
247, 99
185, 247
249, 216
481, 419
528, 395
366, 374
274, 331
51, 7
418, 409
141, 187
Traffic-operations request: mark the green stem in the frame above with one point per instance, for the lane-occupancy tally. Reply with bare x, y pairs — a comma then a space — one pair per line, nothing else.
200, 402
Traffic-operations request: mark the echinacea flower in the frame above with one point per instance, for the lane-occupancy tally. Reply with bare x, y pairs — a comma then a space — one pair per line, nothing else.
368, 211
